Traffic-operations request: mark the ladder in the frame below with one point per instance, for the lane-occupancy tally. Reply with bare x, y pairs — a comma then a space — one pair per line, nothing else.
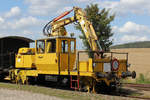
74, 82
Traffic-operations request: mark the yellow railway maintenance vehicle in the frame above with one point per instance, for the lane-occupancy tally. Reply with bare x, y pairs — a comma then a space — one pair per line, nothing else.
57, 59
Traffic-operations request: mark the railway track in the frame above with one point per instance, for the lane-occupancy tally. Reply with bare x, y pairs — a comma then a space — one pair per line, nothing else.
138, 97
145, 87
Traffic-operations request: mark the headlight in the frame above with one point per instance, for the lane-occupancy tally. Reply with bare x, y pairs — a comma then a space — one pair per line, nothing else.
115, 65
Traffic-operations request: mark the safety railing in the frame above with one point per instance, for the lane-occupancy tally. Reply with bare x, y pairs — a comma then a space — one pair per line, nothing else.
102, 54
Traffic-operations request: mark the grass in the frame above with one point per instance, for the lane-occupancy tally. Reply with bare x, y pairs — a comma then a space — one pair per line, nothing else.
143, 79
127, 80
65, 94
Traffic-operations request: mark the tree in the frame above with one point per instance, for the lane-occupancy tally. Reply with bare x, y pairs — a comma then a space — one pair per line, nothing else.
101, 22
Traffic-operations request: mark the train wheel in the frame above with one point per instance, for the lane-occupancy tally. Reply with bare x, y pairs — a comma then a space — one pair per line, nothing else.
94, 90
86, 84
18, 79
88, 88
12, 76
21, 78
26, 81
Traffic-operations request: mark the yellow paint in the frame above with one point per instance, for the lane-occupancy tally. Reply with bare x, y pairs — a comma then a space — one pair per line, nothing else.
25, 61
60, 63
46, 59
84, 66
46, 62
26, 51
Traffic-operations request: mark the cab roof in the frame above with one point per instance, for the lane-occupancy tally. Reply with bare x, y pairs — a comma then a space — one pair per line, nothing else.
56, 37
17, 37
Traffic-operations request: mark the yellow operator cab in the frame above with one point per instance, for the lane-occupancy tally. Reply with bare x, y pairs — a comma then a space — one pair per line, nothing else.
55, 55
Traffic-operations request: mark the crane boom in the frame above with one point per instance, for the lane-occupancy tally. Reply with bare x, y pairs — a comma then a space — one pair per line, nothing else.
58, 29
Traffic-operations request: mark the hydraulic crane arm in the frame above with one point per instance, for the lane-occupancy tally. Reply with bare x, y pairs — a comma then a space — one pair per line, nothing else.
88, 29
58, 29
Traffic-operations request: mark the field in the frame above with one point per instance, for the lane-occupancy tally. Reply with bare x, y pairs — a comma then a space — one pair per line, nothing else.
141, 44
139, 58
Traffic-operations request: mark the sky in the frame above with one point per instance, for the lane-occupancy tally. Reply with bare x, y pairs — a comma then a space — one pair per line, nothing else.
28, 17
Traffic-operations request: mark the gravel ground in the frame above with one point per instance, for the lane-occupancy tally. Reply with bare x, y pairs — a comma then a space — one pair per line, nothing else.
9, 94
6, 94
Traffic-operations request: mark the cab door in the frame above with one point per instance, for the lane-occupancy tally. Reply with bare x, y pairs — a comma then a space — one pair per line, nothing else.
40, 54
72, 54
67, 54
46, 57
64, 57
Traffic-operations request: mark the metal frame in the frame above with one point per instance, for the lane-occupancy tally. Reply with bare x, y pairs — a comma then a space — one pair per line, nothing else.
79, 52
78, 57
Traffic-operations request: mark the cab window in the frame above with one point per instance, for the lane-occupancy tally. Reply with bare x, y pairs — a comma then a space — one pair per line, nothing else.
40, 46
51, 46
72, 46
64, 46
